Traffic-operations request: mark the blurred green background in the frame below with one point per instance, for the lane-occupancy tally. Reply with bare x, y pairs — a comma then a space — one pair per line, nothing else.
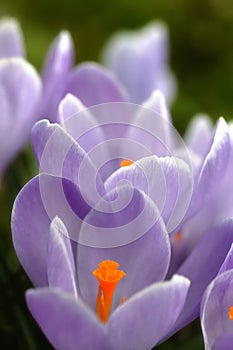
202, 58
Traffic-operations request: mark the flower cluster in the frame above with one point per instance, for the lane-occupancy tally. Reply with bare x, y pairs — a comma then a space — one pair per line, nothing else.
89, 81
127, 224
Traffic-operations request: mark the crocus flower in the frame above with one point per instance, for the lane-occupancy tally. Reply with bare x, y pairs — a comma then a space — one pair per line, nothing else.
140, 61
210, 211
57, 65
72, 319
209, 159
24, 99
137, 65
217, 309
128, 231
211, 148
98, 211
146, 62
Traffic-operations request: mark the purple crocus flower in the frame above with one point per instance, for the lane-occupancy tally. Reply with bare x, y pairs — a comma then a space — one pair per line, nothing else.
92, 83
217, 309
57, 65
24, 99
70, 318
140, 61
122, 226
211, 149
208, 162
98, 211
210, 211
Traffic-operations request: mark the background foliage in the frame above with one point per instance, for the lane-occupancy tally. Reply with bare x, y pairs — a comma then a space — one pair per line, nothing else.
202, 59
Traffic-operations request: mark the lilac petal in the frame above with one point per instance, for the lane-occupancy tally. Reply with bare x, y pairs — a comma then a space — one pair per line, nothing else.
158, 123
66, 322
61, 266
80, 123
216, 160
139, 60
212, 180
216, 302
18, 80
94, 85
228, 262
60, 155
43, 198
152, 129
11, 38
199, 134
202, 266
167, 181
57, 66
150, 314
223, 342
127, 228
30, 227
68, 107
51, 145
157, 103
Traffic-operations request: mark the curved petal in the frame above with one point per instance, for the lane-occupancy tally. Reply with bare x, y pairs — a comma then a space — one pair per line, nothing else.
150, 313
67, 322
157, 103
18, 80
30, 227
216, 302
228, 262
167, 181
60, 260
69, 106
60, 155
11, 38
216, 160
139, 60
94, 85
41, 199
80, 123
202, 266
152, 129
57, 66
125, 227
199, 133
153, 121
211, 201
51, 145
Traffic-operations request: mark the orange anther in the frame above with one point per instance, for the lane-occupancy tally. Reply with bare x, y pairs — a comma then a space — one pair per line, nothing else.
108, 276
230, 313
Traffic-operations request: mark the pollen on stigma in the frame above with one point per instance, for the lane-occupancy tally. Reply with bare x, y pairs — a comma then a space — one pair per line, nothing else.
125, 162
108, 277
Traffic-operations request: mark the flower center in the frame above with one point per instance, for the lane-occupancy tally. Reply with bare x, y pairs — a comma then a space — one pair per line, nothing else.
230, 313
125, 162
108, 276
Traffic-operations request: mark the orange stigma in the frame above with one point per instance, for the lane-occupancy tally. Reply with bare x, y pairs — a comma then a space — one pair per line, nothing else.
108, 276
230, 313
125, 162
